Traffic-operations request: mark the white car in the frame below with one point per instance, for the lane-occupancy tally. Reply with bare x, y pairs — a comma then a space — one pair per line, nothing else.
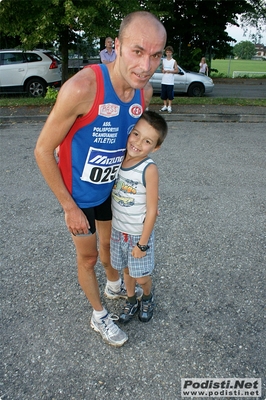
192, 83
29, 71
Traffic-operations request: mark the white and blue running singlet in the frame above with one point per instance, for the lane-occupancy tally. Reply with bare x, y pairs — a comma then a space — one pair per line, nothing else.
93, 150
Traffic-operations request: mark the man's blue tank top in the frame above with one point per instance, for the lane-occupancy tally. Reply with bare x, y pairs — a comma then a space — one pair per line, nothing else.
93, 150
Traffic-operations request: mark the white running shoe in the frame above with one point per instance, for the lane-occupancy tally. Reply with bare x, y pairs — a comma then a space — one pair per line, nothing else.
109, 331
164, 108
122, 293
169, 109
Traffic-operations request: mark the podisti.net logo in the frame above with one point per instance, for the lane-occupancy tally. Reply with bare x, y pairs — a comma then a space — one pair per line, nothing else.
221, 387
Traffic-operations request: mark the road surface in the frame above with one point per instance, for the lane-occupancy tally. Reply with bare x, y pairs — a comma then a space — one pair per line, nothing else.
209, 280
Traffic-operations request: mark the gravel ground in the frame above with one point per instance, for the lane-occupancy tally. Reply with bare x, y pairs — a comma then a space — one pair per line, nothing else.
209, 281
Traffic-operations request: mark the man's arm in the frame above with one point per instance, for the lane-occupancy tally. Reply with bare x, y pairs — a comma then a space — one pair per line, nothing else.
75, 98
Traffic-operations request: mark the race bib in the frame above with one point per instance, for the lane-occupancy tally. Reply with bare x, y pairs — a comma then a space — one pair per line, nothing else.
102, 166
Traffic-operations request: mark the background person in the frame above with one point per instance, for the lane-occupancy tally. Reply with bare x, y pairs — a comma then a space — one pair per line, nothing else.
203, 66
91, 119
134, 206
169, 68
108, 54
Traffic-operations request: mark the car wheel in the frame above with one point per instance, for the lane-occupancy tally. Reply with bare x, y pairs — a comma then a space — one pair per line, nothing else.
195, 90
36, 87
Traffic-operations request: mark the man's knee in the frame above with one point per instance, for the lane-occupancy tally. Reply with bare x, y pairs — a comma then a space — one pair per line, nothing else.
87, 262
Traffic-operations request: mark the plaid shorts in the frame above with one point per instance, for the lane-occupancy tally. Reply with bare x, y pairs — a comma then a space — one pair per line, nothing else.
121, 257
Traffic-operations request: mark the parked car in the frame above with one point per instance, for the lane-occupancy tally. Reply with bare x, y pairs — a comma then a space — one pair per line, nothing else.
29, 71
192, 83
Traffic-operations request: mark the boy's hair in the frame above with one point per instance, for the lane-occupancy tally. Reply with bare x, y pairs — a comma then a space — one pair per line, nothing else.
169, 48
158, 123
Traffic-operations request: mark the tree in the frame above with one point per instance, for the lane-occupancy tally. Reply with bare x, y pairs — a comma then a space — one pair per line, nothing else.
197, 28
244, 50
38, 23
256, 18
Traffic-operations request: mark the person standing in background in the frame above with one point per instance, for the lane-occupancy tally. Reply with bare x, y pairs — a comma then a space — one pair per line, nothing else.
169, 68
203, 66
108, 54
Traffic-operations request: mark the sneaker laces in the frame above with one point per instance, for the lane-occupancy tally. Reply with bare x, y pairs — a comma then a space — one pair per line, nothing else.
127, 308
109, 325
146, 305
113, 317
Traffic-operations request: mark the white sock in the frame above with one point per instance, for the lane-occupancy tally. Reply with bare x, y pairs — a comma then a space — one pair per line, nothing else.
99, 314
114, 286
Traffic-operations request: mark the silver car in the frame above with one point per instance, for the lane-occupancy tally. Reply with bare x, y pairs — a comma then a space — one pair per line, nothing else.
192, 83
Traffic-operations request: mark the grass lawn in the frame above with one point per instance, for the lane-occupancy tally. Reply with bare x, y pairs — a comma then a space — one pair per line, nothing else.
227, 66
181, 100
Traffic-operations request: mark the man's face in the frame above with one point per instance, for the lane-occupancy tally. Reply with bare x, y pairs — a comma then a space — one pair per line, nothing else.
109, 43
140, 52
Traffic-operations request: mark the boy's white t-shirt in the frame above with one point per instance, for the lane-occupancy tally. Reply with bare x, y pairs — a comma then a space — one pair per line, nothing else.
168, 79
129, 198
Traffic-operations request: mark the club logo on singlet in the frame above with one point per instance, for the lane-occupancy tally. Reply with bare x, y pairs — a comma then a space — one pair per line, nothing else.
109, 110
135, 110
102, 166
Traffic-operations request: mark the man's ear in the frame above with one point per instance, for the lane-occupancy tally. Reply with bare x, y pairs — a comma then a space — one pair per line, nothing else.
116, 45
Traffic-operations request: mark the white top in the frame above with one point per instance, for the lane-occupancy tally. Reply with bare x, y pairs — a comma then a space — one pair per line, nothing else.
203, 68
168, 79
129, 198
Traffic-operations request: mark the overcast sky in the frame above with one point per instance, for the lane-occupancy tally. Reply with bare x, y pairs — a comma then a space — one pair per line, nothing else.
238, 34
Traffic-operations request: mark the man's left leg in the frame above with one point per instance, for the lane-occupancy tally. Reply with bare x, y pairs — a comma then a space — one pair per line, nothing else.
104, 232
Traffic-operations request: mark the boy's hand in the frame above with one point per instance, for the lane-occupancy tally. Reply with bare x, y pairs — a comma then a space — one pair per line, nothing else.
137, 253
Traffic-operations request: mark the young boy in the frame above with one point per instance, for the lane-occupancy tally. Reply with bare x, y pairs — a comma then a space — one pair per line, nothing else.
134, 207
169, 68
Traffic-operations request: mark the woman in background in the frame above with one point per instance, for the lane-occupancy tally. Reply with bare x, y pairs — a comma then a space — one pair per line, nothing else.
203, 66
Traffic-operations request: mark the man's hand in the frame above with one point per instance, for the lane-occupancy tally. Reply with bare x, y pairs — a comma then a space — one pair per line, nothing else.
76, 221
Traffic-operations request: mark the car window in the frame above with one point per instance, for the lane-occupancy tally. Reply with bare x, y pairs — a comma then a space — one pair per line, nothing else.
53, 56
12, 58
32, 57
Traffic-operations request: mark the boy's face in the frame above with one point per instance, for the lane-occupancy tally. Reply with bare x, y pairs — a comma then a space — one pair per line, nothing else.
168, 53
142, 140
